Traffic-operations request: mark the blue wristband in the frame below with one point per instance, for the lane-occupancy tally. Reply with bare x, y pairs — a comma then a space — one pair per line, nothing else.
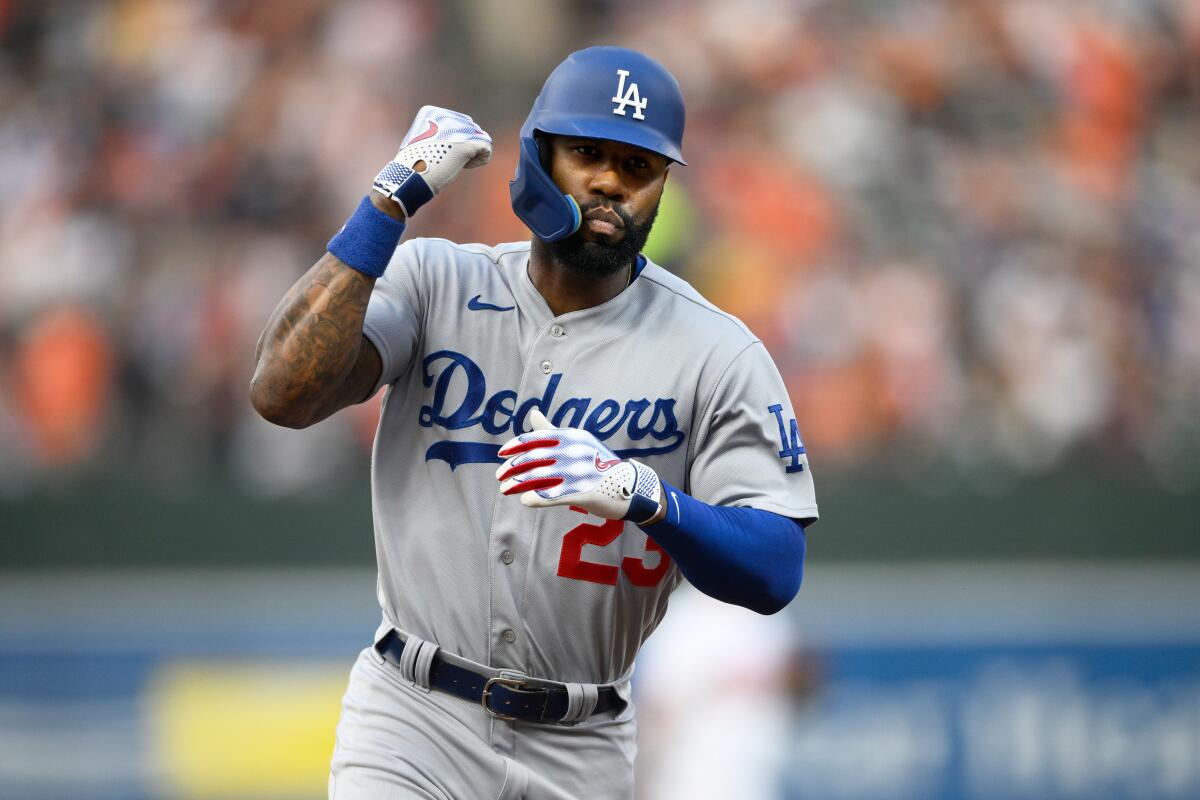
367, 240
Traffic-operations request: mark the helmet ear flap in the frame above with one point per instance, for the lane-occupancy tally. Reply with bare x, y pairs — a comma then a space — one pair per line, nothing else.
537, 200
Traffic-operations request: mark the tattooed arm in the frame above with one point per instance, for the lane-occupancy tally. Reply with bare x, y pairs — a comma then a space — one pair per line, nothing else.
312, 358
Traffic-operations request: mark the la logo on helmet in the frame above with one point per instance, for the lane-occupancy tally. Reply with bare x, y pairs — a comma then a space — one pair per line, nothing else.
629, 97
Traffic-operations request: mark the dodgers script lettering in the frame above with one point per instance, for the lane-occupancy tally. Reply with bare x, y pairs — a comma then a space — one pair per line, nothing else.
503, 414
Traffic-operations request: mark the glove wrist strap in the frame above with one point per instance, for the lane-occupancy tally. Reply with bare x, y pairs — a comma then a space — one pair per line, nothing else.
404, 185
646, 499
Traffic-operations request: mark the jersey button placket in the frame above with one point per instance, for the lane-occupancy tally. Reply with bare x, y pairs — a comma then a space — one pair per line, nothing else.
509, 635
557, 331
546, 367
505, 546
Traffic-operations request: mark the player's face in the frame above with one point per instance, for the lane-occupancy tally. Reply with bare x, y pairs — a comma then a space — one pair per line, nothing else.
618, 187
603, 175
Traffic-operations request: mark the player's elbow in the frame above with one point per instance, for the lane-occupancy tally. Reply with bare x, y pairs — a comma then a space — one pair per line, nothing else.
767, 609
271, 406
776, 597
779, 586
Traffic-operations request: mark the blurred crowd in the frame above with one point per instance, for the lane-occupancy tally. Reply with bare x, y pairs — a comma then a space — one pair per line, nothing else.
968, 230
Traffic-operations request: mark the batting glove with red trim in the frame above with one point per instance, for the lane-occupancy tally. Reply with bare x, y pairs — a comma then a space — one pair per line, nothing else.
439, 145
552, 466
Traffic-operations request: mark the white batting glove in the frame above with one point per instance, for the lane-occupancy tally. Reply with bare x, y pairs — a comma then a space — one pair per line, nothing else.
439, 144
552, 466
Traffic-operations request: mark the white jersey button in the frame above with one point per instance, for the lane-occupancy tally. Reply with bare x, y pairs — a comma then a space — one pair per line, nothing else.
557, 331
509, 636
546, 367
507, 556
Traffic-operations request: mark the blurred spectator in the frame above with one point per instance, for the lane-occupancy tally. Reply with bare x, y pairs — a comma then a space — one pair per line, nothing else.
62, 373
721, 699
965, 228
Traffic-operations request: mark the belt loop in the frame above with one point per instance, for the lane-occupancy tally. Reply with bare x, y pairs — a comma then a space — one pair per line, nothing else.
423, 665
413, 648
511, 675
581, 702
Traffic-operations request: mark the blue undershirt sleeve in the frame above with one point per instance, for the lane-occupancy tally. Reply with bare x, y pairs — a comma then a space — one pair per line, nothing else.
744, 556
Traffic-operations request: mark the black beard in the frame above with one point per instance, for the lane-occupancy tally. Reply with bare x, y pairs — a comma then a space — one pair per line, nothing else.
597, 259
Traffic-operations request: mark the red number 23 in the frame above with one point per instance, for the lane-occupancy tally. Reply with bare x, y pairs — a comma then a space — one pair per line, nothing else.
572, 565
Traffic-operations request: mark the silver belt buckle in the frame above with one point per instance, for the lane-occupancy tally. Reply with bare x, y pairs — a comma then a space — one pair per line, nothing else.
512, 683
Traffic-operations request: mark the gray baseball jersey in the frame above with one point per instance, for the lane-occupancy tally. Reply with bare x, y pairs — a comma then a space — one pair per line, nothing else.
469, 346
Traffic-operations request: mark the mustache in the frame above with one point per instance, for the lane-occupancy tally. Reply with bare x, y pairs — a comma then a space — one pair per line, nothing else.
597, 204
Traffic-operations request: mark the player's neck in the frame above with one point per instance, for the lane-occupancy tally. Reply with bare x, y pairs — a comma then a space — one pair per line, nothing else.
564, 290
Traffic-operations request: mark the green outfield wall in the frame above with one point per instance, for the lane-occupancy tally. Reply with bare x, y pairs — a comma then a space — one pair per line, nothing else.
113, 522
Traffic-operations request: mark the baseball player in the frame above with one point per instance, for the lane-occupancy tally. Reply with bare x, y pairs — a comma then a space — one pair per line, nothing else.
568, 431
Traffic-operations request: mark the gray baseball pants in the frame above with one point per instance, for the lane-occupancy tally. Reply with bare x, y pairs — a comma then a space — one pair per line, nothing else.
396, 740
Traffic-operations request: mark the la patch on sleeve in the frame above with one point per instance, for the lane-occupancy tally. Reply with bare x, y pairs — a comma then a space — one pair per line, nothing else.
791, 446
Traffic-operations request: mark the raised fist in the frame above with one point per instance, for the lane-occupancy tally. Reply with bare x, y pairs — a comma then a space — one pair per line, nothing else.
439, 144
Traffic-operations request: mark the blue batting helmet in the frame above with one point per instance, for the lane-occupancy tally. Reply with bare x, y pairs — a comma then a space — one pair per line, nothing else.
600, 93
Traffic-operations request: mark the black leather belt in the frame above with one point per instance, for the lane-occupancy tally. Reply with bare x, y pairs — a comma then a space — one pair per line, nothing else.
504, 698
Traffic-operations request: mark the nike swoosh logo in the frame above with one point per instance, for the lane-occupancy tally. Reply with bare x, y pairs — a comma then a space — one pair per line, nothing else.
604, 466
475, 305
433, 128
